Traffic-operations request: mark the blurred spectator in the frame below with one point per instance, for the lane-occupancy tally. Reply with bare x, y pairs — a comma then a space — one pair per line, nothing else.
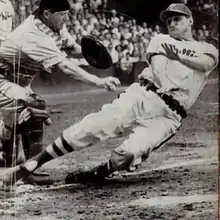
114, 40
127, 66
114, 17
78, 38
129, 49
157, 29
144, 26
124, 44
140, 30
87, 29
127, 34
95, 32
118, 48
106, 40
133, 22
92, 20
121, 20
101, 38
113, 53
80, 18
77, 5
209, 7
95, 4
141, 48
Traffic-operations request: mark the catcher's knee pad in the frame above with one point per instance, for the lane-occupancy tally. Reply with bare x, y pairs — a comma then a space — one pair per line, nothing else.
35, 105
121, 160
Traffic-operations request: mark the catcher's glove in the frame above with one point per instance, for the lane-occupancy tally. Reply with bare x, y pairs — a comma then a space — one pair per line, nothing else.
95, 52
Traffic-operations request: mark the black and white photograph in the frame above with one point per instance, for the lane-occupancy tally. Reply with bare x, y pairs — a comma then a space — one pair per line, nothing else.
109, 110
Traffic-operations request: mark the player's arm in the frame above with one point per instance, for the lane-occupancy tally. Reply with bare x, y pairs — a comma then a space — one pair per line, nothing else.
70, 69
45, 52
201, 62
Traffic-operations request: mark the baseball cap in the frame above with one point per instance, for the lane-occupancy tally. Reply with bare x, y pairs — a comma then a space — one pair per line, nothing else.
175, 9
54, 5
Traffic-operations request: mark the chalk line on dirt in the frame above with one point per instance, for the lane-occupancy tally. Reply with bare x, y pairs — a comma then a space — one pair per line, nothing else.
174, 200
193, 162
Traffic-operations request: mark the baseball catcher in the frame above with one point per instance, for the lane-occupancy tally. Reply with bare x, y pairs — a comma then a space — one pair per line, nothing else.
154, 107
39, 45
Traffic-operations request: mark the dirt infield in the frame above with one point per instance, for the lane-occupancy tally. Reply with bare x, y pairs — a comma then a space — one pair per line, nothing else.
179, 181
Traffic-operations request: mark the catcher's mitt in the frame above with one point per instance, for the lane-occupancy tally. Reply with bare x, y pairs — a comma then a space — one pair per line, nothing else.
95, 52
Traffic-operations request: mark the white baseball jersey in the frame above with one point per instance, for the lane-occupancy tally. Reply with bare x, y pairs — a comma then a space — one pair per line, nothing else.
189, 82
33, 47
6, 18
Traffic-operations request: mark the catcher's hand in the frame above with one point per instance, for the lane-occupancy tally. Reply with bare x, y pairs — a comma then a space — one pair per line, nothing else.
95, 52
109, 83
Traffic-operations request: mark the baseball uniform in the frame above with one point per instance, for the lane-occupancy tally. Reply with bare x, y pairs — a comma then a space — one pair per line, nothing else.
152, 120
32, 47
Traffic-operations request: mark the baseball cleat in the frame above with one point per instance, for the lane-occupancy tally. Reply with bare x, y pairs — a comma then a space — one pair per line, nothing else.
17, 173
96, 175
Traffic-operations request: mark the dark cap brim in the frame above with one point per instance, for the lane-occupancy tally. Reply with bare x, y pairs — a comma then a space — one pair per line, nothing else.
166, 14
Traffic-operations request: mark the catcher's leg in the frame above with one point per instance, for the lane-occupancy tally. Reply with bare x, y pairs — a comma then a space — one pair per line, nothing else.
10, 147
10, 109
132, 152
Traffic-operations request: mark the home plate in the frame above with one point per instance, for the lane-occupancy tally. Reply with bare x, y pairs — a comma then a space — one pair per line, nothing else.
174, 200
195, 162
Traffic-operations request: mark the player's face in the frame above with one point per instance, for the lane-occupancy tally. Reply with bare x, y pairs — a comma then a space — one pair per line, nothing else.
56, 20
178, 25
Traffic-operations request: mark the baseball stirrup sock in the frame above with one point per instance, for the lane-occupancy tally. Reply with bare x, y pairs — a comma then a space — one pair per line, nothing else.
59, 148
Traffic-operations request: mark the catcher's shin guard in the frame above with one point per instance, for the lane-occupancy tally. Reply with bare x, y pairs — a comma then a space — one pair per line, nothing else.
31, 123
96, 175
9, 151
32, 137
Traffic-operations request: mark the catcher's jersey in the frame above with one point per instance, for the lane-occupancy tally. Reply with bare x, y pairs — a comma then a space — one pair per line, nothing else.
188, 82
6, 18
33, 47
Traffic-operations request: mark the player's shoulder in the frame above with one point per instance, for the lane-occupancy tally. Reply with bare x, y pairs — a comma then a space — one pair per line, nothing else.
207, 46
161, 37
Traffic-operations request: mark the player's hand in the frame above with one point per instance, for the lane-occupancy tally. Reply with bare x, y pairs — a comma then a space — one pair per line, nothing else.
171, 52
109, 83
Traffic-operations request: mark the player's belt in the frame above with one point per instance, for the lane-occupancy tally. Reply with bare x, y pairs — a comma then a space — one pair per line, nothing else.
2, 74
173, 104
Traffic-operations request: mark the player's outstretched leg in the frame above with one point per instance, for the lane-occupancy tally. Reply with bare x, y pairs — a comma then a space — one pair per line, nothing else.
25, 171
132, 152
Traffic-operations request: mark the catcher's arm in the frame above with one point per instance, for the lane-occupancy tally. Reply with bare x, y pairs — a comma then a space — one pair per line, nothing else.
70, 69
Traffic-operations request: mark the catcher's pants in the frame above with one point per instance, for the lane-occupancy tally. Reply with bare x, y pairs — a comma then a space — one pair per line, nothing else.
32, 131
153, 122
9, 94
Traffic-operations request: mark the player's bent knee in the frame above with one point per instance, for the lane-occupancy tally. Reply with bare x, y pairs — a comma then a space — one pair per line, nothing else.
121, 160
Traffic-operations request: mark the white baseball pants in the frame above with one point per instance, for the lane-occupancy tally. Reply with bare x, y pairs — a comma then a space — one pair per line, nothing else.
151, 120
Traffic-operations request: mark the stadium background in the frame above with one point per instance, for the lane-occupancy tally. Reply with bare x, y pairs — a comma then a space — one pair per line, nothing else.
125, 27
